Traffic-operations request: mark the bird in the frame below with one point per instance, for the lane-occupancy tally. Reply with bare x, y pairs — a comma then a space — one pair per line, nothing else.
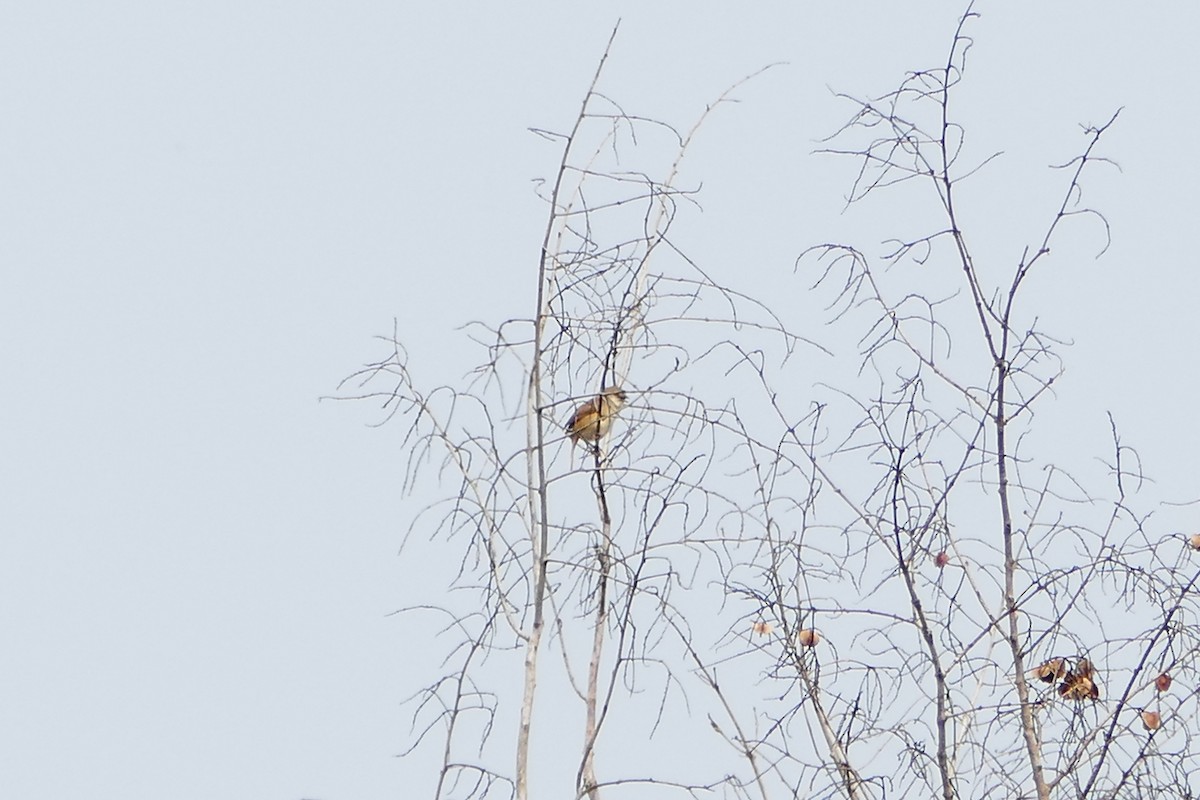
593, 418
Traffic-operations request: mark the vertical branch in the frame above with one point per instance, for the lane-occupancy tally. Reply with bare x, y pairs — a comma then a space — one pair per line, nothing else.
586, 780
538, 500
1001, 418
925, 629
1033, 744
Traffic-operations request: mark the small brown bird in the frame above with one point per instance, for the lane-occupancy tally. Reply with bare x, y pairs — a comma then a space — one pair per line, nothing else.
592, 419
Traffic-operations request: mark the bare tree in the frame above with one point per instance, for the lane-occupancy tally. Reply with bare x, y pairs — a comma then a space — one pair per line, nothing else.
777, 572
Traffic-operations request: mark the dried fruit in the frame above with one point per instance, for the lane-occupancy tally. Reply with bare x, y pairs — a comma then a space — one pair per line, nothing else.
1052, 670
1080, 683
808, 637
1151, 720
941, 559
1194, 541
1162, 682
763, 628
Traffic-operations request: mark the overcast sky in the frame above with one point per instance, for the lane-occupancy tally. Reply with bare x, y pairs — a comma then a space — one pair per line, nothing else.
209, 210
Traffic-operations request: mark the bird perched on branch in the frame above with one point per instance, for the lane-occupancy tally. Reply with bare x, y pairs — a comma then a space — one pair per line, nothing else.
592, 419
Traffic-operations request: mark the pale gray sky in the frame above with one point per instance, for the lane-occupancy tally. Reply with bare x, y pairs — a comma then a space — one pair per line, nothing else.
210, 208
